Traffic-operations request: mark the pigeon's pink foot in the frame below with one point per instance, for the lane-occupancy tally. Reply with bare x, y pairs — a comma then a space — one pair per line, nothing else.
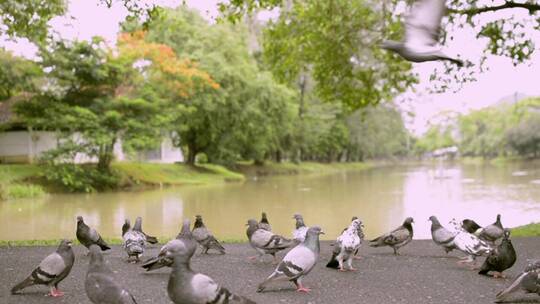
252, 258
56, 293
358, 258
498, 275
342, 269
303, 289
352, 269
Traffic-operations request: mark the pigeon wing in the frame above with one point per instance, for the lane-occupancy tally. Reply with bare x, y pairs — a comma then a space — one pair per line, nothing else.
422, 24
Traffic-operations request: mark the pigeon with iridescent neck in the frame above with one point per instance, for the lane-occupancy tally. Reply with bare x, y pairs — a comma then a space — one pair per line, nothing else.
51, 271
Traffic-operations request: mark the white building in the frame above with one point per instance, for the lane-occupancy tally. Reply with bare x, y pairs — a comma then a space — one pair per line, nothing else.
19, 145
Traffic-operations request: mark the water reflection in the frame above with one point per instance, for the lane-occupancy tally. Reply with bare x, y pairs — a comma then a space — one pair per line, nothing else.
381, 197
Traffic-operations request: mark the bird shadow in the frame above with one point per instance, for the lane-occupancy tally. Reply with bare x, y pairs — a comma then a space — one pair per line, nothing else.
278, 290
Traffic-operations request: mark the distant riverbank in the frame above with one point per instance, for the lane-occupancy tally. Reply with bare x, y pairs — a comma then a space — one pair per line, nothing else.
27, 180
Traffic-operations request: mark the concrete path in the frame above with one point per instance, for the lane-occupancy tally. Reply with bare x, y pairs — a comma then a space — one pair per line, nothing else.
422, 274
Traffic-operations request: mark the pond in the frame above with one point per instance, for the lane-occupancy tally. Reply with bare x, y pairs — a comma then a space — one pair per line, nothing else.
382, 197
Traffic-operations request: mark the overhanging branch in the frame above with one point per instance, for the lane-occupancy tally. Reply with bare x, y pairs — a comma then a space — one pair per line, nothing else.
531, 7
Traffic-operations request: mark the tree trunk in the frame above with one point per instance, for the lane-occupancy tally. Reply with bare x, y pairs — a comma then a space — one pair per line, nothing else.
192, 154
106, 156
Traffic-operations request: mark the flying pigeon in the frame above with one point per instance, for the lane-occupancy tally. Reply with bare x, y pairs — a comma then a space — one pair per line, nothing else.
264, 241
493, 232
184, 241
500, 259
138, 227
345, 247
470, 226
100, 285
299, 234
204, 237
422, 31
396, 238
264, 224
188, 287
126, 227
88, 236
442, 236
134, 243
298, 262
528, 281
51, 271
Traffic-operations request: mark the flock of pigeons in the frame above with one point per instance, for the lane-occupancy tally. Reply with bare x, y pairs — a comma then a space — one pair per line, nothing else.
187, 286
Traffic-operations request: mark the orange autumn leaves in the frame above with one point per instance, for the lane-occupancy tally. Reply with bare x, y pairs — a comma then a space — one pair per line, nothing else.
180, 75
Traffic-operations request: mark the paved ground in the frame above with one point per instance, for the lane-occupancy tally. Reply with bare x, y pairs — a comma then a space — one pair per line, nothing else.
423, 274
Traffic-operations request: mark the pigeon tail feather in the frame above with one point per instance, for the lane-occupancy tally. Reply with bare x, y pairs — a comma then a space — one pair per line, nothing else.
25, 283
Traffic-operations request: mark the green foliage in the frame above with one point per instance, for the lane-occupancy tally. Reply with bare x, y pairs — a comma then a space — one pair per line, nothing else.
17, 75
15, 191
80, 178
336, 42
435, 138
525, 137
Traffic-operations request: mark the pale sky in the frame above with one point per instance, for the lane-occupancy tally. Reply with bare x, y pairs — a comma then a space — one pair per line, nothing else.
503, 79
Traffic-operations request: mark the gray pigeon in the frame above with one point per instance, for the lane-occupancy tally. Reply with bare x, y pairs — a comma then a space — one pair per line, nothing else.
184, 241
51, 271
88, 236
493, 232
138, 227
204, 237
100, 285
422, 31
345, 247
264, 224
264, 241
500, 259
396, 238
528, 281
299, 234
188, 287
298, 262
134, 243
442, 236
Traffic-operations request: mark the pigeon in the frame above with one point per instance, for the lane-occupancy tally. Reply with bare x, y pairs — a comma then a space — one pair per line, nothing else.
422, 31
204, 237
493, 232
468, 243
500, 259
361, 235
298, 262
51, 271
88, 236
345, 247
396, 238
299, 234
184, 241
470, 226
528, 281
134, 243
264, 224
138, 227
126, 227
100, 285
188, 287
264, 241
442, 236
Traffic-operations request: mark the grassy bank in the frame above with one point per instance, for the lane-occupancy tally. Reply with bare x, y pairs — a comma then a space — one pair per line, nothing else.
270, 168
526, 230
14, 181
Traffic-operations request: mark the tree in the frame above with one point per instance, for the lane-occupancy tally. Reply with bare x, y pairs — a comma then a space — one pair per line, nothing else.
96, 96
17, 75
248, 116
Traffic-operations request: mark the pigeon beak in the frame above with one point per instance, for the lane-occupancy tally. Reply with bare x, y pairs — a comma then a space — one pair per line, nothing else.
321, 232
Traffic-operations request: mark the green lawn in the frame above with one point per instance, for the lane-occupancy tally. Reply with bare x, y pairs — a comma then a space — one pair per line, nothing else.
527, 230
288, 168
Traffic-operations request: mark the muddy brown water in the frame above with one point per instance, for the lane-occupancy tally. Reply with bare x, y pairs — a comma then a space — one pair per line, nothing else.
382, 197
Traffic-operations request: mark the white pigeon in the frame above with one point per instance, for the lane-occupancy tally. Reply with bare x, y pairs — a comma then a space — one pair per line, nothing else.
299, 234
345, 247
422, 31
298, 262
469, 243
